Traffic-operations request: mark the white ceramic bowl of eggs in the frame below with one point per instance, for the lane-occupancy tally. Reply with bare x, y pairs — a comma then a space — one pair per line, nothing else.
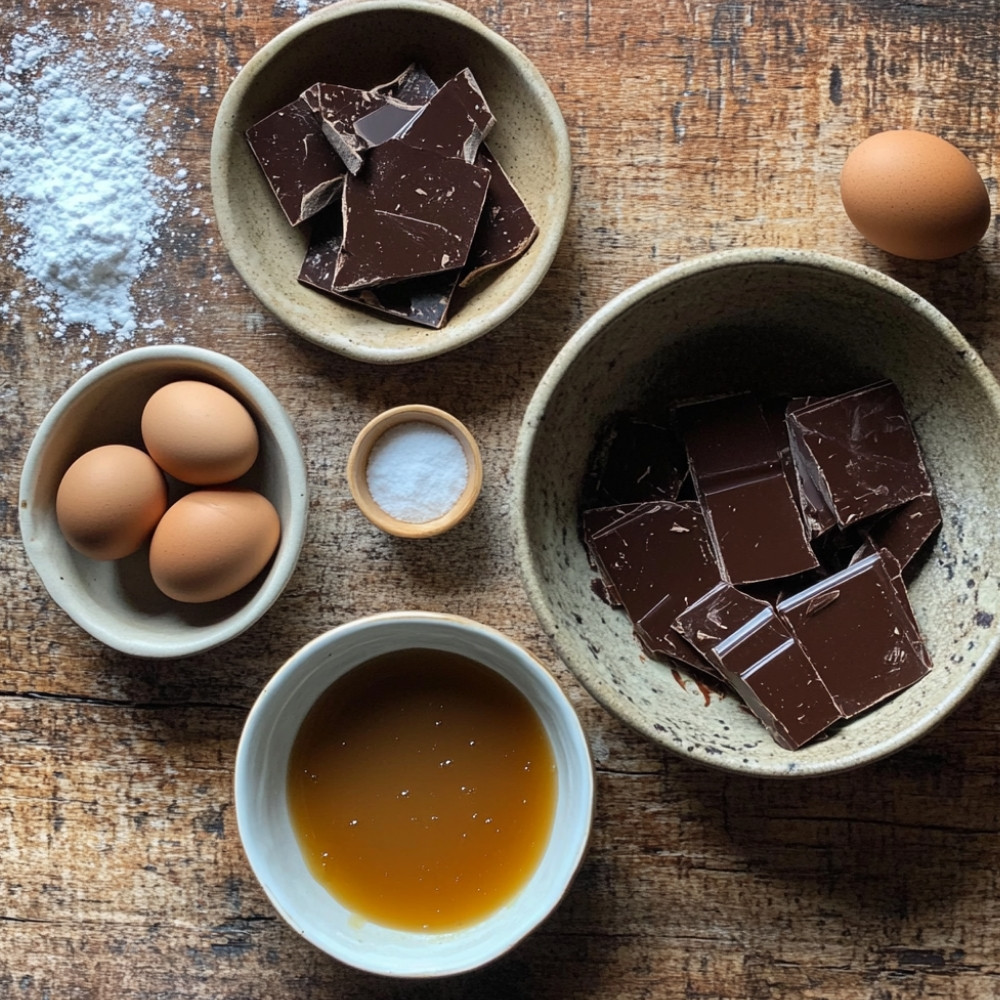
163, 500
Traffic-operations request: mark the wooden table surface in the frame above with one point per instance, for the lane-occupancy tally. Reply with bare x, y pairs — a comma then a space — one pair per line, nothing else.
696, 125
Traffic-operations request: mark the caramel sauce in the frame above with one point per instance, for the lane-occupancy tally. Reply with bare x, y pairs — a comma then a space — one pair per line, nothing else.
422, 790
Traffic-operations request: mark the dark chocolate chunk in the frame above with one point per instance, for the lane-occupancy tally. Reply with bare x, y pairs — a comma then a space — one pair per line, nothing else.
409, 213
860, 450
506, 227
454, 121
424, 301
597, 519
386, 122
816, 514
635, 461
753, 518
413, 86
338, 108
858, 629
777, 679
715, 616
301, 168
905, 530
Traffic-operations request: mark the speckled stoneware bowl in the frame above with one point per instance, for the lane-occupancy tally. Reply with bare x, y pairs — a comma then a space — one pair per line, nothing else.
362, 43
785, 321
117, 601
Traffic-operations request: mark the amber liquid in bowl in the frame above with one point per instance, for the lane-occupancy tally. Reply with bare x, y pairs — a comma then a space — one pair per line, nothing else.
422, 789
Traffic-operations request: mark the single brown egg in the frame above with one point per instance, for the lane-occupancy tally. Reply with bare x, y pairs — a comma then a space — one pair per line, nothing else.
109, 501
199, 433
915, 195
211, 543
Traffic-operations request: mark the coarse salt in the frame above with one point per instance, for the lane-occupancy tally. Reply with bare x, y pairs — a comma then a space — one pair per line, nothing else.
417, 471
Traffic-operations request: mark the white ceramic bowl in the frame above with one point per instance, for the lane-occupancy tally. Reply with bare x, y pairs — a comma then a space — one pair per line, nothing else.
270, 843
362, 43
117, 602
789, 322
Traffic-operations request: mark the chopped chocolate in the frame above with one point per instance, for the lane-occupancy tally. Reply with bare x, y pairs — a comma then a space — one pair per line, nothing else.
858, 629
905, 530
597, 519
409, 213
413, 86
423, 301
817, 516
386, 122
715, 616
635, 461
301, 168
454, 121
777, 679
338, 108
755, 524
860, 450
506, 228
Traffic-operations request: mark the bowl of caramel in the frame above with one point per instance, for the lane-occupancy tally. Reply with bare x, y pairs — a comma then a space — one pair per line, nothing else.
414, 793
753, 499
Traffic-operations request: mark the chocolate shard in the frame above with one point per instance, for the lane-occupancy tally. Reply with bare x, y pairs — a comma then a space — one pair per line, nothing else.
858, 629
409, 213
715, 616
816, 515
338, 108
860, 450
386, 122
506, 228
596, 519
424, 301
635, 461
413, 86
454, 121
777, 679
905, 530
658, 557
755, 524
303, 171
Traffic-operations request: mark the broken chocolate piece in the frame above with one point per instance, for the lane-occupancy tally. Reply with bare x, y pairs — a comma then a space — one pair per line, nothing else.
338, 109
905, 530
658, 557
413, 86
817, 516
506, 227
409, 213
454, 121
423, 301
860, 450
777, 679
715, 616
635, 461
386, 122
301, 168
858, 629
755, 524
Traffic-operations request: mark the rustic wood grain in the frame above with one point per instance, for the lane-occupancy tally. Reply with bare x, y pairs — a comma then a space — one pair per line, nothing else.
695, 126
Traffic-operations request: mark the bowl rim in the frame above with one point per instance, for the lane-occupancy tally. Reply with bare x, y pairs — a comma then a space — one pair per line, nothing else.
534, 417
454, 333
291, 677
293, 526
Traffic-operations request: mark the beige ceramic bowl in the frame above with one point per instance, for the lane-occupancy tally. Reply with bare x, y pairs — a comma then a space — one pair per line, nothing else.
270, 842
357, 467
362, 43
786, 321
117, 602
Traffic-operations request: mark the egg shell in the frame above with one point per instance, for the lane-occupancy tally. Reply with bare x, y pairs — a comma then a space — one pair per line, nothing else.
915, 195
211, 543
199, 433
109, 501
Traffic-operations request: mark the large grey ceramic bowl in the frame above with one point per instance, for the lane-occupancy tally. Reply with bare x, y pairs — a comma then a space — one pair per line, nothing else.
361, 43
785, 321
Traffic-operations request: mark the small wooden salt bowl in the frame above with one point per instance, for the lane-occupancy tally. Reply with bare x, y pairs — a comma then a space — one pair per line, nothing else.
357, 466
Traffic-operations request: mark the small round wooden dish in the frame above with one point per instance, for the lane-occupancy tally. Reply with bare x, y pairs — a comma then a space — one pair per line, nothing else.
361, 451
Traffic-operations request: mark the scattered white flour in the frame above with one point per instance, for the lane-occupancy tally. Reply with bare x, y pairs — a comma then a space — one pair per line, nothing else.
82, 176
417, 471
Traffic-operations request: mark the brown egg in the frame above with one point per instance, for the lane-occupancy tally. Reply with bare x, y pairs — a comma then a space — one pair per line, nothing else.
915, 195
109, 501
199, 433
211, 543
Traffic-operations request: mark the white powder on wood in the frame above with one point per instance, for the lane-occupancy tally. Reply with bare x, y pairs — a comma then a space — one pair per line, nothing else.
417, 471
77, 165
